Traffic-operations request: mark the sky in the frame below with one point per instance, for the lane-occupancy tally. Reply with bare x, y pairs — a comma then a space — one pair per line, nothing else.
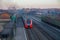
4, 4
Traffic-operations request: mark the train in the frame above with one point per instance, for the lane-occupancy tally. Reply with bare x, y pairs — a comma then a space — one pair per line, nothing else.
27, 22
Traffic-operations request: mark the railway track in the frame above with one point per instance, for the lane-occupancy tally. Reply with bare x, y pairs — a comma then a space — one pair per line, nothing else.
37, 34
51, 31
42, 33
31, 35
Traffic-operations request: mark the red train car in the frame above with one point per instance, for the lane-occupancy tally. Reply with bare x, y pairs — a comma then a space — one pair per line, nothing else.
28, 23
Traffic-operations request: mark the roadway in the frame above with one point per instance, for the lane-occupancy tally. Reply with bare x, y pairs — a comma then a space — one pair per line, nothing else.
7, 32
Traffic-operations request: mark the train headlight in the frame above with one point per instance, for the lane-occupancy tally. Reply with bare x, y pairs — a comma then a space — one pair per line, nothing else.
1, 28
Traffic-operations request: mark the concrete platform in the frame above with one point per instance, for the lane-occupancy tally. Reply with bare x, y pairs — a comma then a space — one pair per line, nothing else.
20, 34
20, 31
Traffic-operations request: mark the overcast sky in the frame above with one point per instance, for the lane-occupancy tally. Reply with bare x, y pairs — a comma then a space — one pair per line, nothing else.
4, 4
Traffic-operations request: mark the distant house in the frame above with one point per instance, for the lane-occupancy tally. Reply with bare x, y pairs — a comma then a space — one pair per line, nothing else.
4, 15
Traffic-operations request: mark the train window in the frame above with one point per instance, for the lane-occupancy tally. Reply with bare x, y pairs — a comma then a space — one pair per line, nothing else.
28, 21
